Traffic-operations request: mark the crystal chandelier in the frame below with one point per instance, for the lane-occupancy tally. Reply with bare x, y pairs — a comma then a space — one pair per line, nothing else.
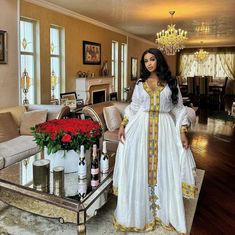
171, 40
201, 55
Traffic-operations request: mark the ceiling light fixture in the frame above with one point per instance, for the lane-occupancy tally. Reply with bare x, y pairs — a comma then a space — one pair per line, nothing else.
202, 28
201, 55
171, 40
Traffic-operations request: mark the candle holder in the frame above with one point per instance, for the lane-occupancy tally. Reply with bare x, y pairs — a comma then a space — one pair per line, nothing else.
52, 93
41, 175
53, 79
58, 181
25, 101
25, 83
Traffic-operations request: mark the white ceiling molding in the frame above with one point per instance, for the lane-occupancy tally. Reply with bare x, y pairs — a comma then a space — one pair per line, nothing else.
54, 7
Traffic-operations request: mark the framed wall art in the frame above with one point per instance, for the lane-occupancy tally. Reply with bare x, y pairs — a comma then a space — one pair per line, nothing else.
91, 53
69, 95
3, 47
134, 68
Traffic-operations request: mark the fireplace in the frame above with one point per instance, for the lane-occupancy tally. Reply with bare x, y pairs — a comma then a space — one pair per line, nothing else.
98, 96
86, 87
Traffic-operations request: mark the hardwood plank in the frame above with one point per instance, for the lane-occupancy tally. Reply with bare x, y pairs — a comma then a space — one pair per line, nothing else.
213, 145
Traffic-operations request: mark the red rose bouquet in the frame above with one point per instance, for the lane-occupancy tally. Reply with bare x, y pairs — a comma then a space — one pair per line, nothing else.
66, 134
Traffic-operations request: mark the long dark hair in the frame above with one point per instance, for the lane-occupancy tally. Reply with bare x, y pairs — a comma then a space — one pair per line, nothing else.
163, 72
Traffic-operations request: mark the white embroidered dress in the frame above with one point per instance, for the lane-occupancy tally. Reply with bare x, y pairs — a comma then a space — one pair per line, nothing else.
152, 170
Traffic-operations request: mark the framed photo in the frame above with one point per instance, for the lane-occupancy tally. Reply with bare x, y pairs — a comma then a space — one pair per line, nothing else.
134, 68
3, 47
63, 101
91, 53
69, 95
71, 103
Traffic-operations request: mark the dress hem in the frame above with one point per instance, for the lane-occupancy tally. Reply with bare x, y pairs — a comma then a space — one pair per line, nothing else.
147, 228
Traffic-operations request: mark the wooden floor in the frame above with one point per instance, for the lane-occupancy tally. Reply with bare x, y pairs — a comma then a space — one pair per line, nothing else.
213, 145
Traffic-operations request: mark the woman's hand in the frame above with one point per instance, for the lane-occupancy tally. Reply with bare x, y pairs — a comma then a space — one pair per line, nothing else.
121, 134
184, 140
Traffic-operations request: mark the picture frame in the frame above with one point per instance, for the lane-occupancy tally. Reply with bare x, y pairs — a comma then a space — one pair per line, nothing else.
63, 102
69, 95
134, 68
71, 103
91, 53
3, 47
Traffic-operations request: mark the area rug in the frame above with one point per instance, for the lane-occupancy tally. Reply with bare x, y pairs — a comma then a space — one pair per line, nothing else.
17, 222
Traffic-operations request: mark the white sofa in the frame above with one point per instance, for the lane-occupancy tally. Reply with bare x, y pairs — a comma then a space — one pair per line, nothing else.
22, 145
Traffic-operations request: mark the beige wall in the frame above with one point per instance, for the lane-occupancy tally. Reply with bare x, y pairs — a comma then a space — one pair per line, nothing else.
9, 72
75, 32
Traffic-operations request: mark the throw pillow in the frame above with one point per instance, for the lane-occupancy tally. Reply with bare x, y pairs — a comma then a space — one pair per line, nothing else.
112, 117
8, 127
30, 119
16, 112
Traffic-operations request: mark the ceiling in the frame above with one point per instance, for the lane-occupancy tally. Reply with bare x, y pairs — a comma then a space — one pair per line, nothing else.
210, 21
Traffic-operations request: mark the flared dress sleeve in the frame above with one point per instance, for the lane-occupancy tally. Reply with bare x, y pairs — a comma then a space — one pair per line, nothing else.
180, 112
185, 116
134, 106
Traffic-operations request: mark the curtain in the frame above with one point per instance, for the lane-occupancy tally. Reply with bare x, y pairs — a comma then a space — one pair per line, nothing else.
218, 64
185, 65
228, 63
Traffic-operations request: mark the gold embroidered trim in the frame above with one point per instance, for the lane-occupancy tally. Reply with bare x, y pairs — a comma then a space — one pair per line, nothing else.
124, 121
153, 132
148, 227
115, 190
189, 191
183, 129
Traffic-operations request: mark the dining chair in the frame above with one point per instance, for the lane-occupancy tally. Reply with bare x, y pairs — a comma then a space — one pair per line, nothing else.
216, 95
203, 86
190, 82
196, 84
210, 78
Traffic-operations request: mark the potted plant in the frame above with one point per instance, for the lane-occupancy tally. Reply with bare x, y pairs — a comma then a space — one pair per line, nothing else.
61, 140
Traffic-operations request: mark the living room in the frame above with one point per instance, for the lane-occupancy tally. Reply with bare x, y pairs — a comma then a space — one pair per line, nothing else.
211, 131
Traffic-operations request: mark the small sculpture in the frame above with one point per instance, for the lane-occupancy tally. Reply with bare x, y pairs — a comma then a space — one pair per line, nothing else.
104, 69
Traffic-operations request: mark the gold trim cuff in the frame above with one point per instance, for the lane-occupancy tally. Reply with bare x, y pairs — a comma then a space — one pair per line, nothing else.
124, 121
115, 191
184, 129
189, 191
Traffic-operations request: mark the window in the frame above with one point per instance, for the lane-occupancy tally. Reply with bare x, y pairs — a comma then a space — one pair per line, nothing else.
56, 62
28, 65
115, 65
123, 70
218, 65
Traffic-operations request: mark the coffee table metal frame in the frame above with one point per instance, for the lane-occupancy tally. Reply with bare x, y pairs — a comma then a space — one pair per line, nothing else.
51, 206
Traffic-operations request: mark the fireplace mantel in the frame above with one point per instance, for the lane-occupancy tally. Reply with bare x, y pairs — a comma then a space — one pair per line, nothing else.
83, 86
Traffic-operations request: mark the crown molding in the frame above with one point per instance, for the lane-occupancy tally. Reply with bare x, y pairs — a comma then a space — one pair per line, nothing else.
54, 7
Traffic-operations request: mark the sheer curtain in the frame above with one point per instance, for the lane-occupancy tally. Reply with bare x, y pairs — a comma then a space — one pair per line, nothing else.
227, 61
218, 64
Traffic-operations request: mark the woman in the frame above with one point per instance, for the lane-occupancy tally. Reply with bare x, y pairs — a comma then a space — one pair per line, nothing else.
154, 166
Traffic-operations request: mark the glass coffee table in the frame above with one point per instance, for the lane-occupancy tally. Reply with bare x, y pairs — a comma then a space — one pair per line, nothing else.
78, 204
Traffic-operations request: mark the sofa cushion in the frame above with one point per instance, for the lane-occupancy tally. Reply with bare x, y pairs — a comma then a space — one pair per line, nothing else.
30, 119
111, 135
16, 112
53, 111
2, 162
17, 149
121, 106
8, 127
112, 118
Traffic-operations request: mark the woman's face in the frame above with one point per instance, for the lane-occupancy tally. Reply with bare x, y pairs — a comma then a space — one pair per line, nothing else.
150, 62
